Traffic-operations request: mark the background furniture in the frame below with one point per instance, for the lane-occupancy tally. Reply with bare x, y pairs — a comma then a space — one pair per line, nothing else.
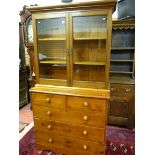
122, 83
23, 88
26, 20
126, 9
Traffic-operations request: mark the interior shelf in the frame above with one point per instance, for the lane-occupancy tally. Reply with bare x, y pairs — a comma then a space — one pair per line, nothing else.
121, 72
90, 35
122, 60
122, 48
46, 39
52, 62
88, 38
122, 79
88, 63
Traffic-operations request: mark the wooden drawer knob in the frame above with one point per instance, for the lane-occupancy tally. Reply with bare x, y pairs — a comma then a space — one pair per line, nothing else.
85, 104
50, 140
48, 99
85, 147
112, 89
127, 89
49, 113
85, 132
49, 126
85, 118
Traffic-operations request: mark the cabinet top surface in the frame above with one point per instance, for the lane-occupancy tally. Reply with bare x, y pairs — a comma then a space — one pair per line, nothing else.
72, 91
73, 5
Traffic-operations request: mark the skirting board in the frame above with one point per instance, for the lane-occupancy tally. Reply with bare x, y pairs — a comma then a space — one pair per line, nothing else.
26, 129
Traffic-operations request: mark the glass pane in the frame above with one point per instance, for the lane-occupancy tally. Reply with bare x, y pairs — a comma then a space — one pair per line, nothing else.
90, 51
90, 27
89, 73
49, 71
53, 28
89, 48
30, 31
52, 48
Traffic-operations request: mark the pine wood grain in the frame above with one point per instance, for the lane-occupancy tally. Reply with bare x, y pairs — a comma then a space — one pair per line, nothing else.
70, 130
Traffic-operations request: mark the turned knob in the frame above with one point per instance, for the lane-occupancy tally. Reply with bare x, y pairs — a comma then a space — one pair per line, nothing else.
49, 113
85, 104
112, 89
50, 140
48, 99
85, 132
85, 147
127, 89
85, 118
49, 126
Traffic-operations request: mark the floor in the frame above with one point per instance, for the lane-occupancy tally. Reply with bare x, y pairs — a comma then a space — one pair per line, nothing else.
25, 114
25, 120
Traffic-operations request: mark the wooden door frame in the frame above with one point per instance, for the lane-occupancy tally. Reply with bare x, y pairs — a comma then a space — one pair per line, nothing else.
48, 16
108, 40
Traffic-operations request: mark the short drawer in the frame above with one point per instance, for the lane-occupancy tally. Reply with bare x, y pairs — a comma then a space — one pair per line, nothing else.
70, 116
82, 103
65, 129
70, 144
57, 101
123, 89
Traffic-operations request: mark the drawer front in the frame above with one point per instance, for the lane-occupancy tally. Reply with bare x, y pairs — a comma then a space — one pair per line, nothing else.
116, 89
57, 101
81, 103
68, 143
70, 130
70, 116
121, 121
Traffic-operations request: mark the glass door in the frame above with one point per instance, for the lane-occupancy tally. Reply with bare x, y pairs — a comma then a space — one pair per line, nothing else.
89, 49
51, 40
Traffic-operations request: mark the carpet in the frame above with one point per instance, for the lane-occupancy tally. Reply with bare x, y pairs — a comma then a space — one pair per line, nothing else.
119, 141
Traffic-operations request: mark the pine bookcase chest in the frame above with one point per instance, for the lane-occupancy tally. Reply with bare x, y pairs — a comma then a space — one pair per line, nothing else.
72, 43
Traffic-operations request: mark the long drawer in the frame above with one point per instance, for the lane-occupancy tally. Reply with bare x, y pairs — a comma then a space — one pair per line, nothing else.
70, 116
70, 130
53, 141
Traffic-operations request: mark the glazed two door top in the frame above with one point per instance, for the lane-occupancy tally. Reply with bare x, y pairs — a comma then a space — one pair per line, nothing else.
71, 48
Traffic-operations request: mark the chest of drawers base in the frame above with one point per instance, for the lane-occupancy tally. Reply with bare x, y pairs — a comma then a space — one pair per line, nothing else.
70, 120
